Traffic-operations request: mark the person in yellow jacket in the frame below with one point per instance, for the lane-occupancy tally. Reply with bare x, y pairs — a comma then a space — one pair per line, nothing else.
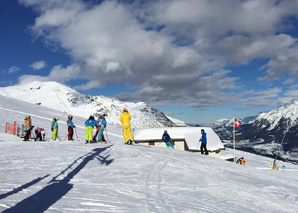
125, 119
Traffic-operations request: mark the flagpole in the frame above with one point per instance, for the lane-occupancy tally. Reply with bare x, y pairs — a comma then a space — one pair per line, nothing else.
234, 139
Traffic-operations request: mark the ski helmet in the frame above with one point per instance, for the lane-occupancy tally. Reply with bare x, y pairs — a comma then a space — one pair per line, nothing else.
70, 117
27, 116
56, 118
125, 110
91, 117
165, 131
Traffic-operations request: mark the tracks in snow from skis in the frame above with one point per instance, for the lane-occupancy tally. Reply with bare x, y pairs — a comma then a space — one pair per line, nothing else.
153, 182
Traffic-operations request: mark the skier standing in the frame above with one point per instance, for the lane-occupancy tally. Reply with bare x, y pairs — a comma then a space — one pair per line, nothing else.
167, 139
204, 142
90, 123
70, 126
40, 134
99, 120
125, 119
54, 128
28, 127
102, 126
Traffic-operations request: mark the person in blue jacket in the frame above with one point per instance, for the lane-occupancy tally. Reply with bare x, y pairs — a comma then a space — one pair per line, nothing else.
102, 126
167, 139
90, 123
204, 142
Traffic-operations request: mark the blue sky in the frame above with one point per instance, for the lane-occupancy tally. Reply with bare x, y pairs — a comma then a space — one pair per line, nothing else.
196, 60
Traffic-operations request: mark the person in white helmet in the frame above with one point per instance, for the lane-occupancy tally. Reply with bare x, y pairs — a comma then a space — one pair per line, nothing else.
54, 128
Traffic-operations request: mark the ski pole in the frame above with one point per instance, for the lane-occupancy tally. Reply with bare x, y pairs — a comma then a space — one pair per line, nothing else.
65, 137
107, 135
76, 133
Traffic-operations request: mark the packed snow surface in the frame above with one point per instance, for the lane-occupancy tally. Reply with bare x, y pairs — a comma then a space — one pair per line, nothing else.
63, 176
75, 177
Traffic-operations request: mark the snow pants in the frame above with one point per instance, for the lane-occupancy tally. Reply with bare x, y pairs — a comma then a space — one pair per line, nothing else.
204, 147
169, 144
28, 134
100, 134
55, 134
127, 131
70, 133
89, 133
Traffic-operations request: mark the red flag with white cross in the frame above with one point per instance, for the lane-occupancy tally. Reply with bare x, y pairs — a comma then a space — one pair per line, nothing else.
237, 123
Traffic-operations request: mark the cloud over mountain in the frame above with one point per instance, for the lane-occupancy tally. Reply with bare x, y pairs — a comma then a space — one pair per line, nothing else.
172, 52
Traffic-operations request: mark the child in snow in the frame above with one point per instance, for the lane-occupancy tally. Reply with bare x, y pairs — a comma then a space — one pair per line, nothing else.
102, 126
70, 126
28, 127
40, 134
90, 123
54, 128
99, 126
167, 139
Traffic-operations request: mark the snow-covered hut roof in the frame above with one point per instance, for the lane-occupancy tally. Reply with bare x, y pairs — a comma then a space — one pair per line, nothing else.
191, 135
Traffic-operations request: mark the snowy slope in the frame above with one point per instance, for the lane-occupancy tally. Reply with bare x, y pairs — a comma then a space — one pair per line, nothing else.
77, 177
74, 177
14, 110
64, 99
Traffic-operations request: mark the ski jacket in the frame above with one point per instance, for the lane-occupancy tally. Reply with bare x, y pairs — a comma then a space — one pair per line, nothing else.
40, 130
204, 138
70, 123
103, 123
54, 124
125, 119
91, 122
166, 137
28, 124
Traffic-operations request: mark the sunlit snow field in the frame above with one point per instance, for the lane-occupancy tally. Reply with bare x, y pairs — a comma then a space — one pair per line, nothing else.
64, 176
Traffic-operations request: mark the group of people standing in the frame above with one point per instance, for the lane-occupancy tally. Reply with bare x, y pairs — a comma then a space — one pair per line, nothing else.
40, 132
100, 125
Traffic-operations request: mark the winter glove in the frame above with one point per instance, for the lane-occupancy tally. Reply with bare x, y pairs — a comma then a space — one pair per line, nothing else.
52, 129
74, 126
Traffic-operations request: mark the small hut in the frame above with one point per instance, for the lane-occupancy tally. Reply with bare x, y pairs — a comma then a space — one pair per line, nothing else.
184, 138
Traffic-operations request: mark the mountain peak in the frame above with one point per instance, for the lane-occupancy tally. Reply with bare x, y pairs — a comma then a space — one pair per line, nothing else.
60, 97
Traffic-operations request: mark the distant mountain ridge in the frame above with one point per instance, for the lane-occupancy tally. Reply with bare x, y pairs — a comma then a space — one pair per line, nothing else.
60, 97
278, 126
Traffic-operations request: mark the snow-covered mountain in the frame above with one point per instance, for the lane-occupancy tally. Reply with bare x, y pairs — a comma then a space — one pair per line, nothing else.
62, 98
228, 122
278, 126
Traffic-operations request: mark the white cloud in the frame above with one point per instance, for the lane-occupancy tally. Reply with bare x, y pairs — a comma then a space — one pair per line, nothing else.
38, 65
89, 85
13, 69
182, 58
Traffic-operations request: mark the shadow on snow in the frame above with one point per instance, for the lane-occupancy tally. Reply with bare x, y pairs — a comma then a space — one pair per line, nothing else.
46, 197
